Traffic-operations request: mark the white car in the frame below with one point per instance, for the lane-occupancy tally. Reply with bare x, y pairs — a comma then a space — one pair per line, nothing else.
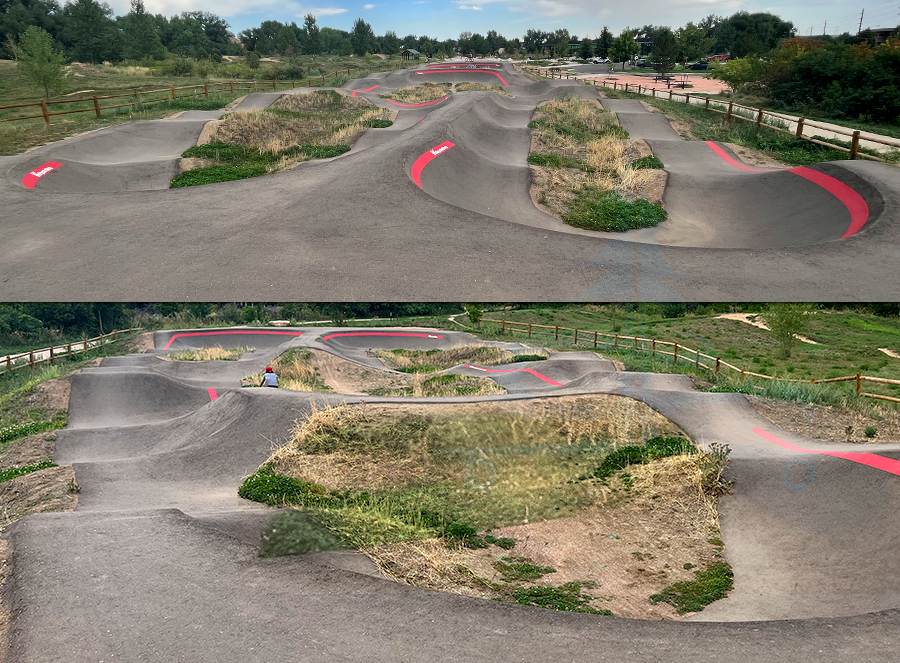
600, 61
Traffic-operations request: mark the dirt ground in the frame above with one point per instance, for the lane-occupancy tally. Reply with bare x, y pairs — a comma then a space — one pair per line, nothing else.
823, 422
142, 342
347, 377
52, 395
630, 547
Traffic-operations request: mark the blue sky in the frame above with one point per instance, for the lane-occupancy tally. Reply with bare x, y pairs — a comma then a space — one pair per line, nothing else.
444, 19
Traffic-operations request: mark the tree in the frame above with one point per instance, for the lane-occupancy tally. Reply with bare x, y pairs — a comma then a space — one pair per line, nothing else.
787, 321
313, 42
586, 51
693, 43
623, 47
474, 312
603, 42
361, 37
533, 40
665, 50
91, 32
39, 62
141, 38
390, 43
252, 59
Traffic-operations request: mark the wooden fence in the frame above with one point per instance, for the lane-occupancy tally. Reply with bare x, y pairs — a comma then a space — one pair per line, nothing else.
33, 357
677, 351
138, 98
731, 110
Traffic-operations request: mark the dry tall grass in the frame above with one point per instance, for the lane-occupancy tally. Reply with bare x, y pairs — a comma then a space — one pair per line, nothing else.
216, 352
418, 94
608, 158
460, 354
295, 369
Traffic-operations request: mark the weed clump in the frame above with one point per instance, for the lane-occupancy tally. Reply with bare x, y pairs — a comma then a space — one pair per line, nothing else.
693, 595
594, 209
521, 568
566, 597
656, 448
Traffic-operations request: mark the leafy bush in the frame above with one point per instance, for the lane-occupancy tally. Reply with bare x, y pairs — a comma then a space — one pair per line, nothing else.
594, 209
870, 431
502, 542
650, 161
267, 487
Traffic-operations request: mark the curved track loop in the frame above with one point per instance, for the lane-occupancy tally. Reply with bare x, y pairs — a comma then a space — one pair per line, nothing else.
358, 226
159, 559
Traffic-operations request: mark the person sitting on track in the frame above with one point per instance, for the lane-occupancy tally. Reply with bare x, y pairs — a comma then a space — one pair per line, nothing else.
269, 378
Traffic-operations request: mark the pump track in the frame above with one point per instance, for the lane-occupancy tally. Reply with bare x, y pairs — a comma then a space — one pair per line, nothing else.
436, 207
159, 561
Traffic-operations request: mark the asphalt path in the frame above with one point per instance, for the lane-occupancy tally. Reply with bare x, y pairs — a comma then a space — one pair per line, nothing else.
436, 207
159, 561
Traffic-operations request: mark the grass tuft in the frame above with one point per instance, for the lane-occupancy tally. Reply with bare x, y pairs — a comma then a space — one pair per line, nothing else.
13, 472
693, 595
566, 597
594, 209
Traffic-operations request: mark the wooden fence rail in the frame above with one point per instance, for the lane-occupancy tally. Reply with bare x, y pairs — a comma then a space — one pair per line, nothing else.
139, 97
33, 357
758, 116
678, 352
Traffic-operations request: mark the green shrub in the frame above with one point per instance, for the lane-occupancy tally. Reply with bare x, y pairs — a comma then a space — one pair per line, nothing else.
594, 209
519, 358
870, 431
267, 487
501, 542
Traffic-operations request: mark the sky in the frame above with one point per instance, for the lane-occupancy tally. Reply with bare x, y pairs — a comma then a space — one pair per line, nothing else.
444, 19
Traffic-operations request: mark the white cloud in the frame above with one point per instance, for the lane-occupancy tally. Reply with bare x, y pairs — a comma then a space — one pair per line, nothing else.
227, 8
473, 8
368, 6
324, 11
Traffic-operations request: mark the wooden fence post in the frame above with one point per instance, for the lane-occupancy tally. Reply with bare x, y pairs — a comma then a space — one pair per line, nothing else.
730, 110
31, 358
858, 383
742, 376
697, 360
529, 330
206, 90
69, 350
670, 95
173, 93
687, 98
557, 332
654, 349
51, 355
759, 118
626, 87
707, 103
96, 107
614, 84
45, 111
654, 93
231, 85
8, 362
323, 80
854, 145
576, 336
595, 340
617, 341
717, 364
675, 356
503, 329
799, 132
116, 335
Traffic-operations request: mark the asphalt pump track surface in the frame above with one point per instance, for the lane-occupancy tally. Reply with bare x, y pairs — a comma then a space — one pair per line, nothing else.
435, 207
159, 561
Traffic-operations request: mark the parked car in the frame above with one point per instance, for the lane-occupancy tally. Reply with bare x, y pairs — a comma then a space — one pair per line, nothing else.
600, 61
698, 65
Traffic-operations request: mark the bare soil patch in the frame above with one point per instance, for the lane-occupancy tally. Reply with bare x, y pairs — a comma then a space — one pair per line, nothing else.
28, 451
755, 157
823, 422
38, 492
192, 163
630, 545
51, 394
347, 377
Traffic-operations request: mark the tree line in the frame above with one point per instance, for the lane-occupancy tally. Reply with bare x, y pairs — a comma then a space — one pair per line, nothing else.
89, 31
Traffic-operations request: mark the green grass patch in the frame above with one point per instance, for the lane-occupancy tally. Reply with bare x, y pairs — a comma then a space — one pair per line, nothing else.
245, 162
501, 542
521, 569
557, 161
693, 595
594, 209
566, 597
527, 357
656, 448
295, 533
649, 161
13, 472
10, 433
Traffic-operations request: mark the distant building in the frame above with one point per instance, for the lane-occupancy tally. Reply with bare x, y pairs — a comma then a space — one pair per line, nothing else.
410, 54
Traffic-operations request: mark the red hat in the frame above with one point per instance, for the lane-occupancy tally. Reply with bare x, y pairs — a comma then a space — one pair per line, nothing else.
268, 369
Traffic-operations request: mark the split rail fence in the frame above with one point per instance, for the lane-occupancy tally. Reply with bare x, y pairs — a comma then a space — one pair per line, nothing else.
731, 110
33, 357
138, 98
677, 351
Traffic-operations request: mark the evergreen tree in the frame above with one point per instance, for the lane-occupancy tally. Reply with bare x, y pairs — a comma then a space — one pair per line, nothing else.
361, 37
665, 51
313, 43
586, 50
603, 43
140, 35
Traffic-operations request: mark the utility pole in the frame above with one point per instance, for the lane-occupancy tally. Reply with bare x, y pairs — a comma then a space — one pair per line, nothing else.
824, 27
861, 14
